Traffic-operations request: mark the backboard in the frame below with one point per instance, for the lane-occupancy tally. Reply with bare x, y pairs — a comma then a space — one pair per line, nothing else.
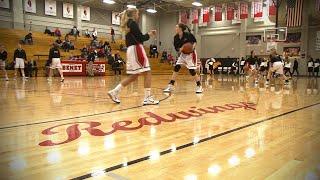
278, 34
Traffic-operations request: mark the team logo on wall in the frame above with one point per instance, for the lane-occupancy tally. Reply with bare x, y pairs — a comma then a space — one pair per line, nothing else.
85, 13
30, 6
4, 4
115, 18
68, 10
50, 8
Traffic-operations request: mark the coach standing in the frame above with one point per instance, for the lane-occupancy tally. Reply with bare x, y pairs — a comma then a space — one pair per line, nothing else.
19, 58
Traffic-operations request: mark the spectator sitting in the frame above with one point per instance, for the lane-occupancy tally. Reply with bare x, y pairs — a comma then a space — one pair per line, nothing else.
74, 32
101, 52
154, 51
67, 44
28, 39
84, 52
87, 33
122, 47
47, 31
59, 42
57, 32
117, 64
110, 59
94, 43
164, 56
170, 59
94, 34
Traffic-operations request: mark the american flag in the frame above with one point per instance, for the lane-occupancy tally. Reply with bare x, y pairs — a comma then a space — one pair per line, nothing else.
294, 13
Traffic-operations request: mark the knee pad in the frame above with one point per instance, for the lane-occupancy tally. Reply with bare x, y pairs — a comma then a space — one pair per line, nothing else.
177, 68
192, 72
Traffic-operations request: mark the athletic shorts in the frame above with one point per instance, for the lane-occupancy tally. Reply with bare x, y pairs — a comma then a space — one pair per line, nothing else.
188, 60
263, 68
137, 60
19, 63
277, 67
316, 69
2, 63
56, 63
310, 69
252, 67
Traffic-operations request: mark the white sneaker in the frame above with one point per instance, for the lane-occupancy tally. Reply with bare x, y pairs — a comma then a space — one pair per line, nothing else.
199, 89
7, 79
62, 80
150, 101
267, 83
114, 96
49, 79
169, 88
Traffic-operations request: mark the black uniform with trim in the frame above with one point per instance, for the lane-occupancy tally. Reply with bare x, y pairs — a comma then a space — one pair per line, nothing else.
186, 38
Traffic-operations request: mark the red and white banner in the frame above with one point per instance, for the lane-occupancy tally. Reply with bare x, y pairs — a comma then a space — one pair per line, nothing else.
230, 11
243, 10
257, 9
218, 12
206, 15
195, 16
272, 10
183, 17
236, 18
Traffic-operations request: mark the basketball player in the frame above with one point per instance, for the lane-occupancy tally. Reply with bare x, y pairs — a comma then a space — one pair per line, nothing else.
189, 60
137, 61
54, 58
263, 69
210, 63
19, 58
3, 58
316, 67
276, 67
287, 65
251, 62
310, 67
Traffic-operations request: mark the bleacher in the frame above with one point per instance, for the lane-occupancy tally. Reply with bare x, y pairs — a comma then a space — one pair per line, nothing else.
40, 48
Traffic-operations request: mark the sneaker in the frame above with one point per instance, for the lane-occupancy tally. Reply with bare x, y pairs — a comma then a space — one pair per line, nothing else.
199, 89
7, 79
169, 88
62, 80
49, 79
150, 101
286, 82
114, 96
267, 83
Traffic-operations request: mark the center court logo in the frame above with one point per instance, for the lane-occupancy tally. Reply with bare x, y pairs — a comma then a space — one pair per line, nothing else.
151, 119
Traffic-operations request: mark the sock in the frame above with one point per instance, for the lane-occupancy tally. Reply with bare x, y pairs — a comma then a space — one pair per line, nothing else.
198, 83
172, 82
147, 92
118, 88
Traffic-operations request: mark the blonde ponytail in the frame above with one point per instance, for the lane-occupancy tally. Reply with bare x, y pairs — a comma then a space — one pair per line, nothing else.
125, 16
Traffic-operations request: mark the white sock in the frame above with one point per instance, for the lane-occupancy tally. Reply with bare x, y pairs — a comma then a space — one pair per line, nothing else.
147, 92
118, 88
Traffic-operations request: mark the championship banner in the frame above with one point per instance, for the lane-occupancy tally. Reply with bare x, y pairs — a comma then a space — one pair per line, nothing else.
230, 11
4, 4
30, 6
85, 13
256, 9
195, 16
218, 12
206, 14
115, 18
272, 10
236, 18
50, 7
243, 10
67, 10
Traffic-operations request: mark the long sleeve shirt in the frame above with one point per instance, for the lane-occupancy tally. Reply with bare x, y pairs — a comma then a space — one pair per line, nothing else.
135, 36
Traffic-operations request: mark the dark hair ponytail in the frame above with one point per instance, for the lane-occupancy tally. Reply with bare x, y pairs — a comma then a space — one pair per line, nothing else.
184, 27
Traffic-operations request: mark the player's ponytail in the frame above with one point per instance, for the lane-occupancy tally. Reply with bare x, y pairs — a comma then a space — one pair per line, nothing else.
125, 16
184, 27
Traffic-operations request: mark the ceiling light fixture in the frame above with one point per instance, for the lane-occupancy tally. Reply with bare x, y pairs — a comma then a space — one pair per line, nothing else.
131, 6
109, 1
197, 3
152, 10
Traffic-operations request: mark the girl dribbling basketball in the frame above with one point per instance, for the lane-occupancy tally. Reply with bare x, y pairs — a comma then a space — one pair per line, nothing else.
137, 61
188, 59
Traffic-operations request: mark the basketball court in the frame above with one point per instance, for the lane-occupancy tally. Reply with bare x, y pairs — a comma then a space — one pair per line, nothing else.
231, 131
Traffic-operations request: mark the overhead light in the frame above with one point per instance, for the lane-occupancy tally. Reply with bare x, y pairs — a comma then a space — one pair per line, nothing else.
131, 6
109, 1
197, 3
151, 10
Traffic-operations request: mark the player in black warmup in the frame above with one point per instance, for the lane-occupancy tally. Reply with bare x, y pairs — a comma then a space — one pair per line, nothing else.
251, 62
3, 58
183, 36
276, 67
54, 58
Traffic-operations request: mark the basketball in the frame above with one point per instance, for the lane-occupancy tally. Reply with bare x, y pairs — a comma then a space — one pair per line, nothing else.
187, 48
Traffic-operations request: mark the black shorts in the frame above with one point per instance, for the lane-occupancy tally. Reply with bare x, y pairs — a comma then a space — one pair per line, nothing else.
316, 69
263, 68
210, 67
310, 69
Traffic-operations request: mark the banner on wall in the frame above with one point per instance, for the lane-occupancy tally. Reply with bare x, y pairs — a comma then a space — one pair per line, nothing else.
256, 9
85, 13
4, 4
184, 16
243, 10
30, 6
218, 12
195, 16
50, 7
115, 18
206, 15
272, 10
230, 11
236, 19
68, 10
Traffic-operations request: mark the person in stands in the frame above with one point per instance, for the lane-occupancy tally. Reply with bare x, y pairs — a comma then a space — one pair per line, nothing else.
94, 34
47, 31
57, 32
87, 33
112, 35
28, 39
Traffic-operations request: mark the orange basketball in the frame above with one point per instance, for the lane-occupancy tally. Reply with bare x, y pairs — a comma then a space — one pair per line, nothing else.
187, 48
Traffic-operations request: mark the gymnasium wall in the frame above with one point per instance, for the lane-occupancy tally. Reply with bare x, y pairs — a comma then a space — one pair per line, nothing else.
149, 22
167, 24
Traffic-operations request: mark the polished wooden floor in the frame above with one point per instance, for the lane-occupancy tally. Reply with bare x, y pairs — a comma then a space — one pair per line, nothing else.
234, 130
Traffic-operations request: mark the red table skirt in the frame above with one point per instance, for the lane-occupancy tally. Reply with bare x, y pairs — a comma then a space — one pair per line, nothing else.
79, 68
